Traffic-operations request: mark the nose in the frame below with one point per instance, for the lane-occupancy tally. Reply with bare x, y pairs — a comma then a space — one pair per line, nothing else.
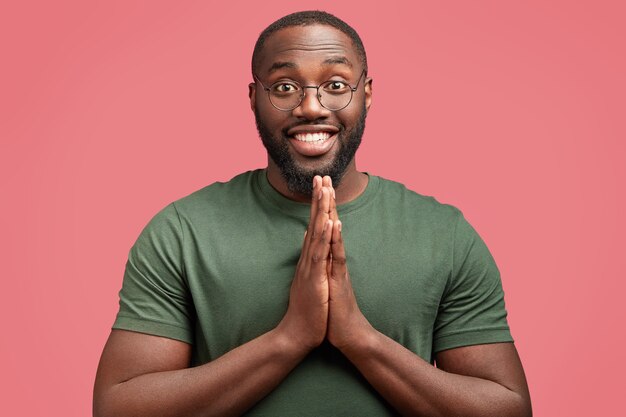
310, 108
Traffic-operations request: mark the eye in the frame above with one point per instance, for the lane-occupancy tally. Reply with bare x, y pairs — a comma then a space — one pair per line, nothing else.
284, 88
336, 87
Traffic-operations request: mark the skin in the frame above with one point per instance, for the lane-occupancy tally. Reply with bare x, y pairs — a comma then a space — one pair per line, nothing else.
306, 49
144, 375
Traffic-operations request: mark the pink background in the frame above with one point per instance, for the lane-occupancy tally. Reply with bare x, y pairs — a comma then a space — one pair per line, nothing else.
512, 111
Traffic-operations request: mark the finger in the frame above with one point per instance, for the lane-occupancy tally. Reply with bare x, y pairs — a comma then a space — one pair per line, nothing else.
320, 219
327, 181
325, 201
329, 264
333, 214
315, 197
339, 270
330, 184
323, 207
320, 251
304, 248
317, 181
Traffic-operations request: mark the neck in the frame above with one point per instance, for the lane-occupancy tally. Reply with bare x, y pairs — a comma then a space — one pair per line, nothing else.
353, 183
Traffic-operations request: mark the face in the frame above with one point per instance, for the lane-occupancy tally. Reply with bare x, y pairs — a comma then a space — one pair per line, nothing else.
310, 139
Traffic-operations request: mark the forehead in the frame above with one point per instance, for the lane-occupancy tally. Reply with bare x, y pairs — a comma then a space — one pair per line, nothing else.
299, 46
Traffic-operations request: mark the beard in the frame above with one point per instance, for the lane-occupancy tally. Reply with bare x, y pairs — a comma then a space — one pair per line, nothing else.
300, 179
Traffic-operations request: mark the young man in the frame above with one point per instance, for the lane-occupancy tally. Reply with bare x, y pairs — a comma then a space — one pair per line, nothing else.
227, 309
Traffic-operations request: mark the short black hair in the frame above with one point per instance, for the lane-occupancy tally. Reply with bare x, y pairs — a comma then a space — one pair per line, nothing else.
306, 18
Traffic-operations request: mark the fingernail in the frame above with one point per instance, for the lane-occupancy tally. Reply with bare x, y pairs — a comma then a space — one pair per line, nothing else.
328, 223
339, 225
334, 197
319, 197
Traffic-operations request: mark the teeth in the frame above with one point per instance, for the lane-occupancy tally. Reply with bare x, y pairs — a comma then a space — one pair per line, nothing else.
312, 137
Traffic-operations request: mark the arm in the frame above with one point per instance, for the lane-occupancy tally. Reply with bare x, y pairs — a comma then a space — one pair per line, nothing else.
144, 375
481, 380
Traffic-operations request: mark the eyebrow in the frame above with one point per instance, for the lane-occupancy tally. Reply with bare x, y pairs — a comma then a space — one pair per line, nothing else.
338, 60
281, 64
292, 65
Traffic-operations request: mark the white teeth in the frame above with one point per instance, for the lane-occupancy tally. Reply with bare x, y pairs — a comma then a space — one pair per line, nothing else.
312, 137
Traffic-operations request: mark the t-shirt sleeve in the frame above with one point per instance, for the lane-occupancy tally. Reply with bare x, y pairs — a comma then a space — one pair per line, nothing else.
154, 298
472, 309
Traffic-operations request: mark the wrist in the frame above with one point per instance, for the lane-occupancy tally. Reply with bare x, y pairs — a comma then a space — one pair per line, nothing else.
288, 343
359, 342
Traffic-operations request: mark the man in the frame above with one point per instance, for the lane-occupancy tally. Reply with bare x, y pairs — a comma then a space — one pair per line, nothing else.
227, 309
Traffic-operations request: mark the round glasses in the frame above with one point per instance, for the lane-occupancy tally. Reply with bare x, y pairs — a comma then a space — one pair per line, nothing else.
333, 95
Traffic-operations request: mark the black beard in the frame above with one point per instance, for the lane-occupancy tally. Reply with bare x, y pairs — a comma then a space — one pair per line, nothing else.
300, 180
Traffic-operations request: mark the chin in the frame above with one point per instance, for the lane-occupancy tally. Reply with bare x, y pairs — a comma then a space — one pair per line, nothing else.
298, 175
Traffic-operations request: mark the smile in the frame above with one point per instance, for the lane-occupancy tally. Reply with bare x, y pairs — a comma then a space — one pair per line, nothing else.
312, 136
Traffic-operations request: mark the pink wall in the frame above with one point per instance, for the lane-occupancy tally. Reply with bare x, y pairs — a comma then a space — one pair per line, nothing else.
512, 111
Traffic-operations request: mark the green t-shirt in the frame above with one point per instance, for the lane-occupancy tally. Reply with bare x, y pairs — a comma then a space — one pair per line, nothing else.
214, 270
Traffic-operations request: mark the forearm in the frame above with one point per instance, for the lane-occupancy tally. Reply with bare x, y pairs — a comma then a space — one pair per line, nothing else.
416, 388
227, 386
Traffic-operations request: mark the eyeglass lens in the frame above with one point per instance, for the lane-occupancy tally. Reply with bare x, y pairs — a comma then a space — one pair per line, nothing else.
332, 95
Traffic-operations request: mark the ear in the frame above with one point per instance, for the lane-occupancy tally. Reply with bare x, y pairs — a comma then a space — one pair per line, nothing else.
252, 95
368, 92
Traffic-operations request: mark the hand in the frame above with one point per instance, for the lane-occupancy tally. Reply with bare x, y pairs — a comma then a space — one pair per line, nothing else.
307, 315
327, 182
346, 323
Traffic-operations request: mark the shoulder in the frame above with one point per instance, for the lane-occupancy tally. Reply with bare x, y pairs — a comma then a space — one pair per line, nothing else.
236, 187
217, 198
210, 202
427, 208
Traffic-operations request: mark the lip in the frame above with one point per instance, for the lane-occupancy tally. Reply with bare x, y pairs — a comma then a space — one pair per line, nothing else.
312, 129
313, 149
